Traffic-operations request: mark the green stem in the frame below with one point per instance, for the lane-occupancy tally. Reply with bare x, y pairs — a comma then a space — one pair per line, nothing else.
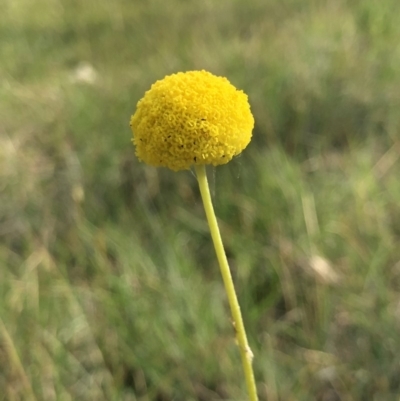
245, 350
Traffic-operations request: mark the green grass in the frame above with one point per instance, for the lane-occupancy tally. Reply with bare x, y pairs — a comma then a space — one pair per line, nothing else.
109, 286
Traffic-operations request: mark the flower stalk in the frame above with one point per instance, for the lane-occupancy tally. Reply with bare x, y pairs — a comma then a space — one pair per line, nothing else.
245, 351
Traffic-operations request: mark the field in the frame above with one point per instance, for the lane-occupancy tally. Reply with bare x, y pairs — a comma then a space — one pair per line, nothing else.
109, 285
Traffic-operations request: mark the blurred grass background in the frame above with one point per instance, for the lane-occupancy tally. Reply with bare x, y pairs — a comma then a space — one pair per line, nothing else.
109, 285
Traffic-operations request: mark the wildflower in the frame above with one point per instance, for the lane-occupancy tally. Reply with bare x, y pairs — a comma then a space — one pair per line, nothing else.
196, 118
191, 118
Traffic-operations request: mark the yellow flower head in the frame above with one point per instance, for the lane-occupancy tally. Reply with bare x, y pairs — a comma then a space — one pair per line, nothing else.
191, 118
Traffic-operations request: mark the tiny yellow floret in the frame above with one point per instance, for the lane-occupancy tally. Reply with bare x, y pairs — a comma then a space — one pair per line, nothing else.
191, 118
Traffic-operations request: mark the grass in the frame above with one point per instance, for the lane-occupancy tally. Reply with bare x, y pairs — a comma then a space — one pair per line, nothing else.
109, 285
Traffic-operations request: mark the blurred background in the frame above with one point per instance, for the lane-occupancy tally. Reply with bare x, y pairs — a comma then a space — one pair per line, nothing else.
109, 286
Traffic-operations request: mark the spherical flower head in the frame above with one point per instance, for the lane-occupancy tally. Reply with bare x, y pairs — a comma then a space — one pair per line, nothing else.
191, 118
